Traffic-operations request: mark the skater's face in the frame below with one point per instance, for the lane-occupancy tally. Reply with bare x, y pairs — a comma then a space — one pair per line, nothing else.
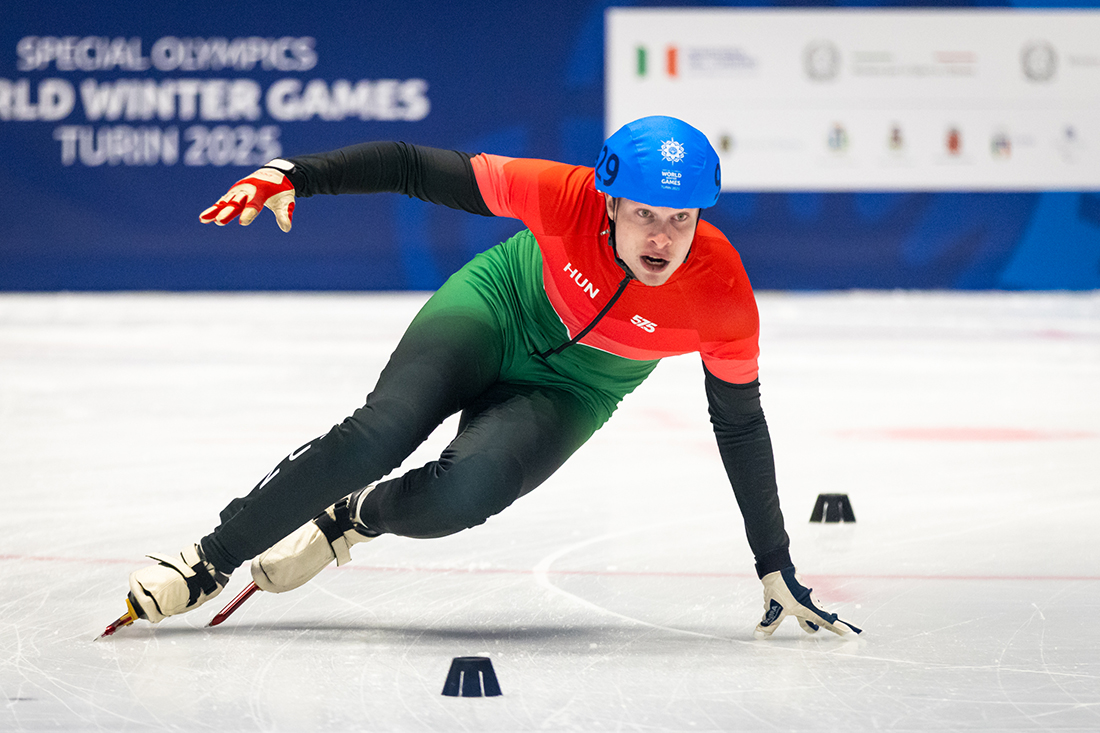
653, 241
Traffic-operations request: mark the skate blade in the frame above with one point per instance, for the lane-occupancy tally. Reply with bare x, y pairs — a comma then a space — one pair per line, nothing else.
233, 605
122, 622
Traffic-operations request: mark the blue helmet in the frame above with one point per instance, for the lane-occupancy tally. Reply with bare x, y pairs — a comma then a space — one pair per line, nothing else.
660, 161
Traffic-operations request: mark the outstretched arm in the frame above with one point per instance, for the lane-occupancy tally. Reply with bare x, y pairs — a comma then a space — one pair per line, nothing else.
746, 448
434, 175
443, 177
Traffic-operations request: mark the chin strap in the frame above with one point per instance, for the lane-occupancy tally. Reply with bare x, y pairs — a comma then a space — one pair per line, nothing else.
610, 232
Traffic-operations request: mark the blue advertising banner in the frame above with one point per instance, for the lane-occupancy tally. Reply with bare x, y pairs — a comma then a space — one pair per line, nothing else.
121, 121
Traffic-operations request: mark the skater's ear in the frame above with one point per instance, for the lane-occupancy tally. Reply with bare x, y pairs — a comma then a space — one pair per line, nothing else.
612, 205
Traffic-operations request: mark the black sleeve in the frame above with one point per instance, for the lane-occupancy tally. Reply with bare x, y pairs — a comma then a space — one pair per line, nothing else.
746, 449
438, 176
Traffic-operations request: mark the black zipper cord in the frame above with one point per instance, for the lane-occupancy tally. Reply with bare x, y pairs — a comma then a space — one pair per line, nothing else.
599, 316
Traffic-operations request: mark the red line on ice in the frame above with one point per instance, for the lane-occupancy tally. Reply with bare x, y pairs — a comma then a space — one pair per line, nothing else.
605, 573
965, 434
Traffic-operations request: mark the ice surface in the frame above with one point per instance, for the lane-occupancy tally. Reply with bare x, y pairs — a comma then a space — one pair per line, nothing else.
965, 429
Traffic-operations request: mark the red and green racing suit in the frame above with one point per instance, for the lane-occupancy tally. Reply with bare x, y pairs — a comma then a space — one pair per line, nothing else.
535, 341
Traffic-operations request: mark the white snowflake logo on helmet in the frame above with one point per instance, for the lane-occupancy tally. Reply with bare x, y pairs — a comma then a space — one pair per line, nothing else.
672, 151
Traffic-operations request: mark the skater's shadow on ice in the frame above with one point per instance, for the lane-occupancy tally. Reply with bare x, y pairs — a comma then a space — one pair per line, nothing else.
384, 634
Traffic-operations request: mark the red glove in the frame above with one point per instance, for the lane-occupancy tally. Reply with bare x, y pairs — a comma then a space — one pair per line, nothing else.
248, 196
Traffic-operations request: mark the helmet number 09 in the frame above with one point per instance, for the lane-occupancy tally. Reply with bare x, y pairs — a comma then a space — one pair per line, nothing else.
607, 169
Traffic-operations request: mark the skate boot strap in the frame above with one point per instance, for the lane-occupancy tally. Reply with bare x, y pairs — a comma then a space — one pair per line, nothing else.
339, 529
192, 566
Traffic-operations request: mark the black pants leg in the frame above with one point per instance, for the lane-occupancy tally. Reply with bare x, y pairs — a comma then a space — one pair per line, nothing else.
509, 441
511, 438
441, 365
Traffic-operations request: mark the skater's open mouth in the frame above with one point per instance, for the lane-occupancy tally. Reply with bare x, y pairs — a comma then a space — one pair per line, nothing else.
654, 263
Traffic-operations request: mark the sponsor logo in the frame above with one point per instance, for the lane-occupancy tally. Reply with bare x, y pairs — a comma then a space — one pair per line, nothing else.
697, 61
821, 60
644, 323
1039, 61
1069, 144
943, 63
897, 140
774, 609
1001, 145
717, 60
672, 151
838, 138
953, 141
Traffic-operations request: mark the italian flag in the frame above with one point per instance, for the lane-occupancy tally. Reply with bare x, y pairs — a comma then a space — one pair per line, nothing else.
672, 65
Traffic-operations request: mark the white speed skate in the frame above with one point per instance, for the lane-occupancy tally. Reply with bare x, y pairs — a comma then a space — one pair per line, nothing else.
299, 556
177, 583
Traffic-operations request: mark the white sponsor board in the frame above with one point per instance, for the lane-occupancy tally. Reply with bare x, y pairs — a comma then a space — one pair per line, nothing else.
870, 99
